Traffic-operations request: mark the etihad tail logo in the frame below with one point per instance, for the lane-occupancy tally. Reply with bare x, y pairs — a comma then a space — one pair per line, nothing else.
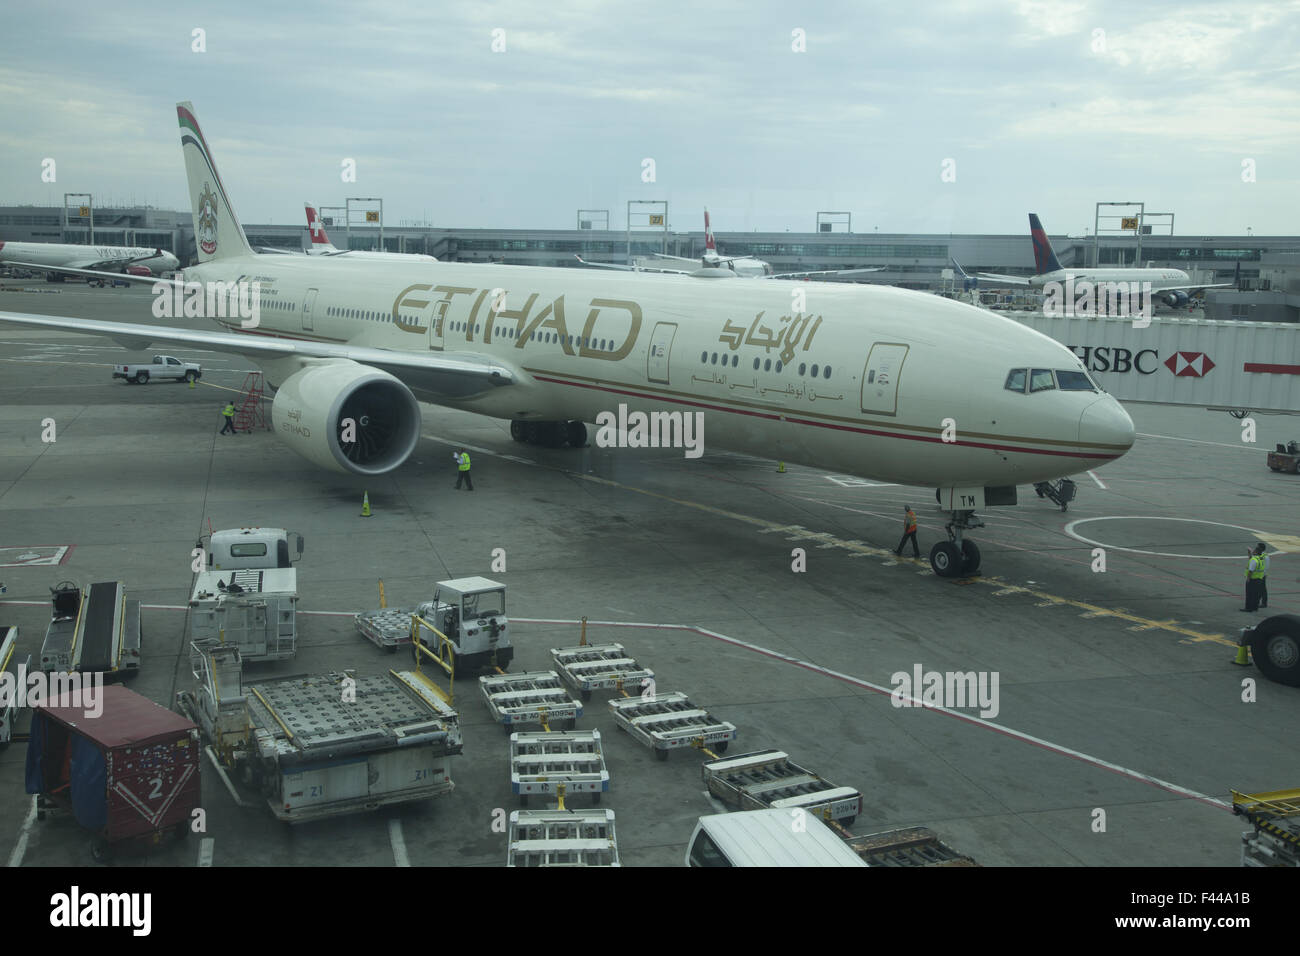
207, 224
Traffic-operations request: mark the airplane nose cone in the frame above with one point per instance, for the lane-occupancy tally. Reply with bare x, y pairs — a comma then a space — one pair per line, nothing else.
1105, 423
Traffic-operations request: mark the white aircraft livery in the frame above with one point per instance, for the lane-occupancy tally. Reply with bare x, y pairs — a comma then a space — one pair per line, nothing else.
51, 254
321, 245
874, 381
1170, 286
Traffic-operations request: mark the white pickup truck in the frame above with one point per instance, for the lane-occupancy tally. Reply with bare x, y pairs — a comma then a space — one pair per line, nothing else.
162, 366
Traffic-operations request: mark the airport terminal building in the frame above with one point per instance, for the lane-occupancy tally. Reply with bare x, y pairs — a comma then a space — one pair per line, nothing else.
1269, 265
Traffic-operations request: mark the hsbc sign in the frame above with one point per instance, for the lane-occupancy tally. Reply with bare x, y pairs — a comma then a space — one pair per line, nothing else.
1143, 361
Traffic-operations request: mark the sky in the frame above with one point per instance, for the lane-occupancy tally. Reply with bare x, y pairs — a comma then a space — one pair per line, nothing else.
925, 117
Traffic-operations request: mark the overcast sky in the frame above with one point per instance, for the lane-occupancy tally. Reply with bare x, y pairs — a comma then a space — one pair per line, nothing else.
1028, 105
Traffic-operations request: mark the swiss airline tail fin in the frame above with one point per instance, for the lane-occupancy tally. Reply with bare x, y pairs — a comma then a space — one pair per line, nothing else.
217, 232
316, 229
1044, 258
709, 244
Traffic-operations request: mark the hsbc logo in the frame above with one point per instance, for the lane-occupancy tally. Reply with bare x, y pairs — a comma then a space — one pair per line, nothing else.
1143, 362
1189, 364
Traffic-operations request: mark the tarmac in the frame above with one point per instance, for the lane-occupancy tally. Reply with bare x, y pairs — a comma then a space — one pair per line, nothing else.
1121, 722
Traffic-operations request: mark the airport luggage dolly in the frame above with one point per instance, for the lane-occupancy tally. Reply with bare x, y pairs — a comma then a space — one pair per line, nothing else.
543, 762
533, 697
592, 667
665, 722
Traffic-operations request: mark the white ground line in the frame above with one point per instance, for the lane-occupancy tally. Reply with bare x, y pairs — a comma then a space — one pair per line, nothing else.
1069, 529
206, 847
1197, 441
20, 848
889, 692
1097, 480
399, 843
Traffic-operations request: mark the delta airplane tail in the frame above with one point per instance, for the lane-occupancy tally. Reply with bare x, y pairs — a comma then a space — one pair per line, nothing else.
217, 232
1044, 258
320, 242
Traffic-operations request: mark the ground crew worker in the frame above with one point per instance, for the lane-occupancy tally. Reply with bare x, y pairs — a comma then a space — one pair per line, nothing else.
462, 468
229, 414
909, 531
1255, 572
1263, 582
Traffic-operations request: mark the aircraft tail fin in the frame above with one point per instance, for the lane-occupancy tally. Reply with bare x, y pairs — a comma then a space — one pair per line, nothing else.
320, 242
1044, 258
709, 245
217, 232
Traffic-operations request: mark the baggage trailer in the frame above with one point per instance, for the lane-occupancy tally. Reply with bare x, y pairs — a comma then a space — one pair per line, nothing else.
324, 745
1275, 840
129, 774
909, 846
770, 779
665, 722
535, 697
17, 669
562, 838
95, 630
254, 609
541, 762
592, 667
388, 628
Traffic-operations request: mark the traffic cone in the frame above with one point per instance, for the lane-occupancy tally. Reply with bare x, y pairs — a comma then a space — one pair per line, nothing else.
191, 383
780, 468
1243, 652
365, 504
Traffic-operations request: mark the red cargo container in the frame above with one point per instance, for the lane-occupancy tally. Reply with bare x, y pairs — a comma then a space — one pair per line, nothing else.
130, 773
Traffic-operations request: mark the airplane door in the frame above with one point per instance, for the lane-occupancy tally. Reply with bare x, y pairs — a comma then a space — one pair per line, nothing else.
436, 323
661, 346
880, 378
307, 305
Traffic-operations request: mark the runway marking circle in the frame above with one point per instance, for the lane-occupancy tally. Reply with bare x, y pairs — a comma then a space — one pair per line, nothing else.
1069, 529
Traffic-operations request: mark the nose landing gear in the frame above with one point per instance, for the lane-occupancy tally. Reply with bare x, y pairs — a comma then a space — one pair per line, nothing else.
956, 556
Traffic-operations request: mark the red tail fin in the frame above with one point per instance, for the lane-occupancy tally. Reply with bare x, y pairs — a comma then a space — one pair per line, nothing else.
316, 228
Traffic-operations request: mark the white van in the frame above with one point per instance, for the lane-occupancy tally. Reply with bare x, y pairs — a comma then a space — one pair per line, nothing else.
767, 838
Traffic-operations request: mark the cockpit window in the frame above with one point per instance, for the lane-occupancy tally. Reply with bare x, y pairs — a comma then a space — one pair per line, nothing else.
1016, 380
1040, 380
1074, 381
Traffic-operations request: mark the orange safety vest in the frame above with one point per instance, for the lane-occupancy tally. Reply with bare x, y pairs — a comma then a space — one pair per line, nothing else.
910, 521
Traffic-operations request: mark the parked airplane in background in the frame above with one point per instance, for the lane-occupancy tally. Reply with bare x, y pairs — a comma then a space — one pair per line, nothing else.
713, 266
101, 258
1170, 286
874, 381
321, 245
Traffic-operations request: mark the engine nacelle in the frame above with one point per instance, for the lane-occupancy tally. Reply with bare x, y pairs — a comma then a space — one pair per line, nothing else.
1174, 298
313, 406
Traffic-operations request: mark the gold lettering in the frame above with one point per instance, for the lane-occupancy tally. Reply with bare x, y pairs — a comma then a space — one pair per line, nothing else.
409, 303
792, 336
519, 315
449, 292
808, 342
473, 315
733, 335
623, 350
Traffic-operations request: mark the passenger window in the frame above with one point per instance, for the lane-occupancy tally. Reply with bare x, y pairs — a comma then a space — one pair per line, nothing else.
1041, 380
1016, 380
1073, 381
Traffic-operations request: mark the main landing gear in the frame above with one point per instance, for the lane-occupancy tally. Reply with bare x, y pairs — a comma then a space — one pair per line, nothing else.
550, 434
957, 557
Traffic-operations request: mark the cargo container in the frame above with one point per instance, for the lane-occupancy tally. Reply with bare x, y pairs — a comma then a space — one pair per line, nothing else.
129, 774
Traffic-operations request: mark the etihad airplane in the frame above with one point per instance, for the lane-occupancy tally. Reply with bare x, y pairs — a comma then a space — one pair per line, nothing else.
321, 245
884, 383
713, 266
1170, 286
46, 255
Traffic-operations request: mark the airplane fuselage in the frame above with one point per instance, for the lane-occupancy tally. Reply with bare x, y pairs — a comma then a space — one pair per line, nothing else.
1159, 278
70, 254
867, 380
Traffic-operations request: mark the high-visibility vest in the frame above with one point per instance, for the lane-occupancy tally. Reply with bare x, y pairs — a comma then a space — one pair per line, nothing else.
1255, 568
463, 461
229, 410
910, 520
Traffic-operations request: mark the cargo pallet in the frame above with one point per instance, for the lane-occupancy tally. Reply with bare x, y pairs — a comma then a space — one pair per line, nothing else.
540, 763
533, 697
592, 667
562, 838
388, 628
909, 846
665, 722
770, 779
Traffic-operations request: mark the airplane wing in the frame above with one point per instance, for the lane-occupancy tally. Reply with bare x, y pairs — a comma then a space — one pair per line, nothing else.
1189, 288
1008, 280
458, 375
826, 272
610, 265
98, 274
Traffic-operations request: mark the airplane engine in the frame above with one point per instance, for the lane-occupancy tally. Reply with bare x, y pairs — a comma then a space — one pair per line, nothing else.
347, 417
1174, 298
